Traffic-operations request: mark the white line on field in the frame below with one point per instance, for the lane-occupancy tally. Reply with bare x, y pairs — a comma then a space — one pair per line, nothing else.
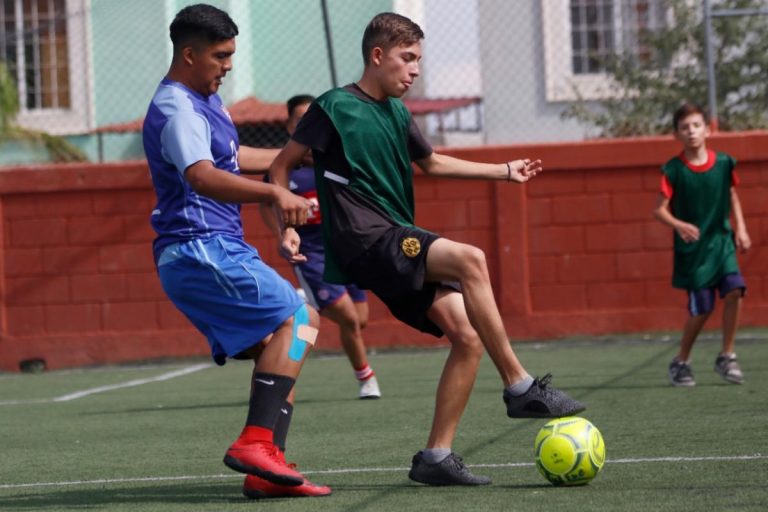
719, 458
111, 387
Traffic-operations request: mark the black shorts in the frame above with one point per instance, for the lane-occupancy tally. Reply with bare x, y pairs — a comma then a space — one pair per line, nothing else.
394, 268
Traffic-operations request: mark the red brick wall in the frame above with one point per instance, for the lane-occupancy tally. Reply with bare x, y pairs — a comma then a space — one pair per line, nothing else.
576, 251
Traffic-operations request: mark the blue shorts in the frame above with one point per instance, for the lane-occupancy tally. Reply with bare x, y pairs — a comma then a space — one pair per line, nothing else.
321, 294
702, 301
224, 288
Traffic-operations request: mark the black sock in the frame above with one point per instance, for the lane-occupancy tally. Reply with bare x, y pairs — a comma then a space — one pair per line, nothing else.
268, 394
282, 425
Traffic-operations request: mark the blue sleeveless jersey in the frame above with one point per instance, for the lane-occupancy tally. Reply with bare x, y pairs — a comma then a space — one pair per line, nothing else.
183, 127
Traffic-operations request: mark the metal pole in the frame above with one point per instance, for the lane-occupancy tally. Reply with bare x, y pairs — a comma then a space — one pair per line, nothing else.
710, 61
329, 43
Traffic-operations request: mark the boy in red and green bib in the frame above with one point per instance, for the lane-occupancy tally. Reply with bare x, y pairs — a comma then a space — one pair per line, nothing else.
698, 196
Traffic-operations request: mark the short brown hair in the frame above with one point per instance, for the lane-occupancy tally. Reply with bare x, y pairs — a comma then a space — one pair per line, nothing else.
685, 110
387, 30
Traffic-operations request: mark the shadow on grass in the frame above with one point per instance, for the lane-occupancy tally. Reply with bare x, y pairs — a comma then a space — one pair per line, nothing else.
214, 494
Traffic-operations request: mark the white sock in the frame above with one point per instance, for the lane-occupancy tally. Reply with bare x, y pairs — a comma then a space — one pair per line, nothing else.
521, 387
435, 455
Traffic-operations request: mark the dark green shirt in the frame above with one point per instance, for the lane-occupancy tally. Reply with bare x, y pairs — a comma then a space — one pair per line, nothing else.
362, 149
701, 195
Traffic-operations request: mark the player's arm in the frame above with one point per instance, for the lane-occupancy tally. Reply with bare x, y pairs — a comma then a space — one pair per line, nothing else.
743, 242
289, 240
288, 158
209, 181
446, 166
663, 213
255, 160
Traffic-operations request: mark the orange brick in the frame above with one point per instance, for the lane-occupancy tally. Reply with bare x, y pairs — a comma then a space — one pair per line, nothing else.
616, 295
595, 209
644, 266
615, 237
558, 298
633, 207
38, 232
586, 268
130, 316
540, 211
556, 240
72, 318
95, 230
25, 320
37, 290
23, 262
70, 260
99, 288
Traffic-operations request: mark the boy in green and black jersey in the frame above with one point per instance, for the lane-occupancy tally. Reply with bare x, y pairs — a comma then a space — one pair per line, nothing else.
363, 140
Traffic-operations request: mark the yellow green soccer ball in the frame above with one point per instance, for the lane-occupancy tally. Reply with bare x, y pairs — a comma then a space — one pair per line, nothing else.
569, 451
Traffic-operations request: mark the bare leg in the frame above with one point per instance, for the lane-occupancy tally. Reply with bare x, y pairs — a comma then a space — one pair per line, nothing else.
691, 331
452, 261
271, 356
345, 314
460, 370
731, 313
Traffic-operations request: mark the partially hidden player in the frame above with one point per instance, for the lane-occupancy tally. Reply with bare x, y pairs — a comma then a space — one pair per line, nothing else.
363, 141
698, 197
242, 306
346, 305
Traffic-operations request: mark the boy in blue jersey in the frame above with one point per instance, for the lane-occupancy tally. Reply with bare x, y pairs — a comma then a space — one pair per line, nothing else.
363, 142
242, 306
346, 305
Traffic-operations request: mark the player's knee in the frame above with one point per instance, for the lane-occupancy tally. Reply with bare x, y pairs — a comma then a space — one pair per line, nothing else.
473, 259
468, 342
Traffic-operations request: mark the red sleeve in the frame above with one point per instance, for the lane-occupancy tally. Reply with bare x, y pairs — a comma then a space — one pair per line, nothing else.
734, 179
666, 187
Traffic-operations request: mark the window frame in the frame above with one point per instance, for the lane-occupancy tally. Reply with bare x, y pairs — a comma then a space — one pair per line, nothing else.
561, 83
78, 117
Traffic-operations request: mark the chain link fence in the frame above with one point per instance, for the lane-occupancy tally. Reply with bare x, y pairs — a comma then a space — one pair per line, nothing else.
493, 71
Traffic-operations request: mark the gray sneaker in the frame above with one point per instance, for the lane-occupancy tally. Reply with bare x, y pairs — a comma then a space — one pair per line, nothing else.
727, 367
449, 471
541, 401
680, 374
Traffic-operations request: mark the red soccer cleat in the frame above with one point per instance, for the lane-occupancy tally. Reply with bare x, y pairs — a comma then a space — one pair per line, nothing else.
262, 459
257, 488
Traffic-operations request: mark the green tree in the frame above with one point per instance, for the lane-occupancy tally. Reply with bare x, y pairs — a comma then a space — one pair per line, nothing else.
59, 149
645, 91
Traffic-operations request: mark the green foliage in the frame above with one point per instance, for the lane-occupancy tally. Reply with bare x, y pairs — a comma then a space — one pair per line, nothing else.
646, 91
59, 149
9, 101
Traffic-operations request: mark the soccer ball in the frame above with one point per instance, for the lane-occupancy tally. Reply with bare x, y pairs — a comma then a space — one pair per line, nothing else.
569, 451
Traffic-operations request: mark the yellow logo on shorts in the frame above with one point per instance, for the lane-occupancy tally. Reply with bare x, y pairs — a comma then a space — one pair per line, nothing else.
410, 246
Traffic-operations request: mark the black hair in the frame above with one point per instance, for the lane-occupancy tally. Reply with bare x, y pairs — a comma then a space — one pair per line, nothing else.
687, 109
299, 99
201, 23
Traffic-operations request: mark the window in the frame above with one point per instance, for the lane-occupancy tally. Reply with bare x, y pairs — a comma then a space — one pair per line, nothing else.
580, 34
43, 46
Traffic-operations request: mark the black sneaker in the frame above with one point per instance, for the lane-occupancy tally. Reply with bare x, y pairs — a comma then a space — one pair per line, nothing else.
449, 471
680, 374
541, 401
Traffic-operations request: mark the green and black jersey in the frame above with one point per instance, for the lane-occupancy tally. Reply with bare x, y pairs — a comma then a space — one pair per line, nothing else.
363, 151
701, 195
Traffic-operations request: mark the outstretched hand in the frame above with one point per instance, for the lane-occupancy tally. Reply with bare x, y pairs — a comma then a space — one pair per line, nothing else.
523, 170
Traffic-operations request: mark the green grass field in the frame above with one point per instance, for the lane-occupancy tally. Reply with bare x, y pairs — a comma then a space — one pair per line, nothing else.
74, 440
